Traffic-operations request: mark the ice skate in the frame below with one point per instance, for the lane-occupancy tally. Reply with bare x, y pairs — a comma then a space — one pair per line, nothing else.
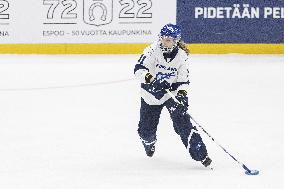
206, 162
149, 148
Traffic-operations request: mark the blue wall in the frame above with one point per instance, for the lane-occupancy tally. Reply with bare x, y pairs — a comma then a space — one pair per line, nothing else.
230, 30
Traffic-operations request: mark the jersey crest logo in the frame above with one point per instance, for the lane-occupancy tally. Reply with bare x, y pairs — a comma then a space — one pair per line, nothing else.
162, 76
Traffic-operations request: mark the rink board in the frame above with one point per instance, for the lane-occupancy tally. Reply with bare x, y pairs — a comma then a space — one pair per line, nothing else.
234, 21
128, 26
137, 48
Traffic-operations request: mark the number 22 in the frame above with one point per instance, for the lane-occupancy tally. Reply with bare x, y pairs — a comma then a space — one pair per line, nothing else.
4, 5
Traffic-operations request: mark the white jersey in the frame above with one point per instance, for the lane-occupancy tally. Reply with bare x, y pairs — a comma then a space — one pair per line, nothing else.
174, 71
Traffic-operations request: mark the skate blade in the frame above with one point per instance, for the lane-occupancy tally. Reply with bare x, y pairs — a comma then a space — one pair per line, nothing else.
210, 168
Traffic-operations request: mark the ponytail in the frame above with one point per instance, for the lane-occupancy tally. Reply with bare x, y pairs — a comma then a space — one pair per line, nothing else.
182, 45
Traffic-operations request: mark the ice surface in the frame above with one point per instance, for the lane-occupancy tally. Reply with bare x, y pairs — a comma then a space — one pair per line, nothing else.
73, 134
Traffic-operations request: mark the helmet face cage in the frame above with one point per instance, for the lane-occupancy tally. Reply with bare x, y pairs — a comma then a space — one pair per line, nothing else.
167, 49
170, 31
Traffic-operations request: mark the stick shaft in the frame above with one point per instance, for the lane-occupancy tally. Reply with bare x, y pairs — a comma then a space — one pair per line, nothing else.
243, 165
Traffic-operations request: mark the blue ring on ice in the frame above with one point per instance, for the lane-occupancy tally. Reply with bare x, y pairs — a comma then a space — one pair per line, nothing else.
252, 172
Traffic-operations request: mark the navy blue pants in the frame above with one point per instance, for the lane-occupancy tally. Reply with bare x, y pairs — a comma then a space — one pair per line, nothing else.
149, 120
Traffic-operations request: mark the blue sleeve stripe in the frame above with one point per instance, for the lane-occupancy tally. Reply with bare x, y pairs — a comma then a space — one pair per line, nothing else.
176, 85
139, 66
141, 59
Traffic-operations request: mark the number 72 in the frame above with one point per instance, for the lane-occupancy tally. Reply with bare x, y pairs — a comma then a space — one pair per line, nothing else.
69, 6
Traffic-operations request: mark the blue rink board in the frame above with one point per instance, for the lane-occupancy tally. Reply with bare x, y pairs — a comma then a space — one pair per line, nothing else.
225, 30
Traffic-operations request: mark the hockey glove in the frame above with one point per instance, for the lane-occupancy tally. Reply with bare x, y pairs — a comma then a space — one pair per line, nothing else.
149, 78
155, 84
183, 99
159, 85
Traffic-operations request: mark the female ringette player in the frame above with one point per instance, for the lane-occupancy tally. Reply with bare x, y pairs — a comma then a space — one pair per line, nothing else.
164, 66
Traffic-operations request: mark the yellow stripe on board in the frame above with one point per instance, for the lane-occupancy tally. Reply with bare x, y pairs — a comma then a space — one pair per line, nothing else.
136, 48
237, 48
72, 48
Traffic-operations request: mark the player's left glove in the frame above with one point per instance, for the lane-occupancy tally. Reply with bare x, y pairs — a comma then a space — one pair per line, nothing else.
183, 99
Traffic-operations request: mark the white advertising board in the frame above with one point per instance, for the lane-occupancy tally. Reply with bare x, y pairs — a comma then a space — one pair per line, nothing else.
83, 21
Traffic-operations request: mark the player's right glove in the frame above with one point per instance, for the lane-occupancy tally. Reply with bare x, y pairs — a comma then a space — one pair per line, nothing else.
156, 85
